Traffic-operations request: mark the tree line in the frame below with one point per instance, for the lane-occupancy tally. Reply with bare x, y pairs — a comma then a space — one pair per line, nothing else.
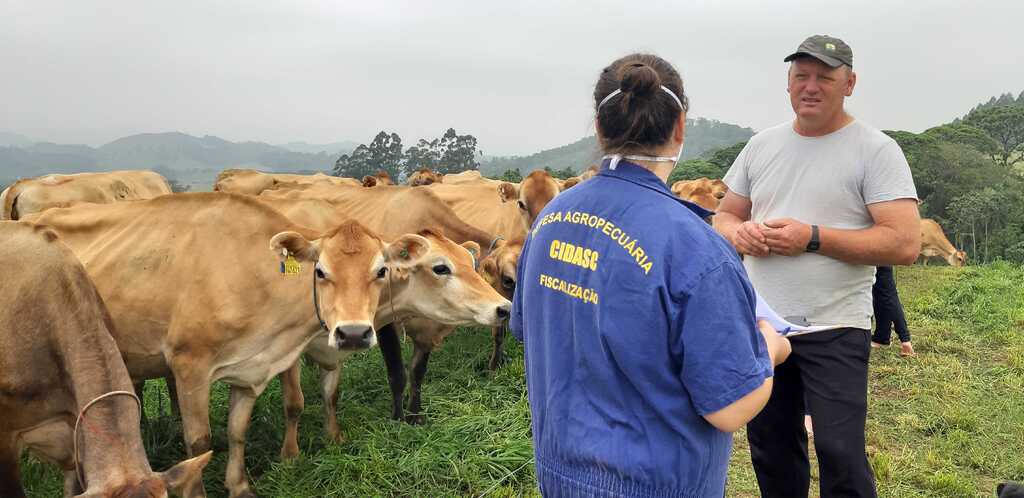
969, 176
449, 153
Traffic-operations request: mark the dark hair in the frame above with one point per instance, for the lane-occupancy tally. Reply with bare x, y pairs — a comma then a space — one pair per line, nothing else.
643, 115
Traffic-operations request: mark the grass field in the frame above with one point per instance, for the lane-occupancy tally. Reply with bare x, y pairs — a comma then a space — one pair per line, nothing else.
949, 423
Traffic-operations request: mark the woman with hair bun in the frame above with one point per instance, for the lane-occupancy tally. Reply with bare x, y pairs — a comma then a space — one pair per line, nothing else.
642, 351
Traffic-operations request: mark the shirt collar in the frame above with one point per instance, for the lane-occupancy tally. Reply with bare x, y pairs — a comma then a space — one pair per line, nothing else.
639, 175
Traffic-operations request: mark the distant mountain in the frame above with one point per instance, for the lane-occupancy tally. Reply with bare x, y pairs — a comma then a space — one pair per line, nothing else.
14, 140
335, 149
702, 135
190, 160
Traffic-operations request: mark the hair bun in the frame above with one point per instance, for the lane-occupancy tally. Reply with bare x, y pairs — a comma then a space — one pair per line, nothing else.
639, 79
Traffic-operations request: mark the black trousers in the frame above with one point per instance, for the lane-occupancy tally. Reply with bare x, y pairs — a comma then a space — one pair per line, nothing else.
888, 310
829, 371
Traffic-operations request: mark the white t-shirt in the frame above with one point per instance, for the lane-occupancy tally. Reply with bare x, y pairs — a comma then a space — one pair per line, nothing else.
827, 181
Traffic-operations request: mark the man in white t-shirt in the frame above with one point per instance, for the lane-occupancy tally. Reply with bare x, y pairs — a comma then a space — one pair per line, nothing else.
814, 204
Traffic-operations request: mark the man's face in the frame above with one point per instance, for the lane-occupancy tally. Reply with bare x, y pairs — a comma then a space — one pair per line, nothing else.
817, 90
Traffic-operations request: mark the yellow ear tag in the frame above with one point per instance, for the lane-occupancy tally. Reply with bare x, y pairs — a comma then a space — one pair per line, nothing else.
291, 266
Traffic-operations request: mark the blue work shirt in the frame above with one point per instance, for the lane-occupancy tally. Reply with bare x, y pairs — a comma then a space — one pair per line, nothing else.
637, 319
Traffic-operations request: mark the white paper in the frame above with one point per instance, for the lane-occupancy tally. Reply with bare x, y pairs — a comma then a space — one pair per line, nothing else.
766, 313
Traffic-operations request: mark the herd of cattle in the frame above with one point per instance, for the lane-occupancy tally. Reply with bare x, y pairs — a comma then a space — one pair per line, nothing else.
100, 294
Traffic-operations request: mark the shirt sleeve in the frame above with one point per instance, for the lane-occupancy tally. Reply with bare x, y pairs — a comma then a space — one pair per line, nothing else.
887, 176
724, 355
515, 321
738, 177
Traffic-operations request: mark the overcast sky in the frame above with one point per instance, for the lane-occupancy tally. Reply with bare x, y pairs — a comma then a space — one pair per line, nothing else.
517, 75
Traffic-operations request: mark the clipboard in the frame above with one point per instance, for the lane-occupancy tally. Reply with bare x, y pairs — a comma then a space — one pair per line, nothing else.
784, 327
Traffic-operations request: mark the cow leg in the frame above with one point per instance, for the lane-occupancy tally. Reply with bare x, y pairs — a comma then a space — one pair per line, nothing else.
391, 350
140, 391
498, 354
10, 480
239, 415
294, 402
329, 380
172, 393
194, 403
417, 368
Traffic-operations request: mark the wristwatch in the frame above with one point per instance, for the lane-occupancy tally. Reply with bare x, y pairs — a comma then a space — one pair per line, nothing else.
814, 243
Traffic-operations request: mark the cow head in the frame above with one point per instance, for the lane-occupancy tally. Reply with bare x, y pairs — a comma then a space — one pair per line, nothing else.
351, 265
535, 192
184, 479
446, 288
381, 178
499, 267
958, 258
424, 176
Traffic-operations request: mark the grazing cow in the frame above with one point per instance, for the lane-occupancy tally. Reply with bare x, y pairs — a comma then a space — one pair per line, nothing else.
252, 182
704, 192
934, 243
62, 377
424, 176
194, 292
34, 195
380, 179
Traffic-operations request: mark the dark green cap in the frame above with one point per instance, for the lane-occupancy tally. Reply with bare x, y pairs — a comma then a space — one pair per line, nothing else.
827, 49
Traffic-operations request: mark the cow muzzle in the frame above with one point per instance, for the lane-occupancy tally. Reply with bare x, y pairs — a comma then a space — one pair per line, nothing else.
353, 336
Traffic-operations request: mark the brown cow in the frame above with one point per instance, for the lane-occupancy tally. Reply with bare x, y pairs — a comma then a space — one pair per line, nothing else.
582, 177
252, 182
424, 176
391, 210
381, 178
34, 195
532, 194
934, 243
193, 291
60, 365
704, 192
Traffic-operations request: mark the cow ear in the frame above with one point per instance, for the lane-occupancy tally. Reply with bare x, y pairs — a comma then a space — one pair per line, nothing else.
186, 478
508, 192
369, 181
406, 251
569, 183
473, 249
296, 245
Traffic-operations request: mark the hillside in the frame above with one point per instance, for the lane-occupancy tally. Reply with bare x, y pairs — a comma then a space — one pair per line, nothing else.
191, 160
702, 135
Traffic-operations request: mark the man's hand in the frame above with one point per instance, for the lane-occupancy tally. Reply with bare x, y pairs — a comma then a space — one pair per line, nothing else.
787, 236
778, 345
749, 238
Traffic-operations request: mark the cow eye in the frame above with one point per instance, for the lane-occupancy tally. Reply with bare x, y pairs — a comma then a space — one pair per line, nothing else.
442, 270
508, 283
522, 205
383, 272
319, 273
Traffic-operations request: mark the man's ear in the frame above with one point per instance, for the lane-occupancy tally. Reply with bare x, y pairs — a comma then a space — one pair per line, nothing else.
406, 251
851, 81
296, 245
508, 192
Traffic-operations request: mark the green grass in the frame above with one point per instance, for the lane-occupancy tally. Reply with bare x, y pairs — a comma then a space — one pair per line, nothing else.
948, 423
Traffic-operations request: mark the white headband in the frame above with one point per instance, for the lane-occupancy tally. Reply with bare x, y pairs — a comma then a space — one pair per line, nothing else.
619, 90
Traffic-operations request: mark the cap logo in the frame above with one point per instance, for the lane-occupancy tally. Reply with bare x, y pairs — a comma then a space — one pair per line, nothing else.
830, 47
